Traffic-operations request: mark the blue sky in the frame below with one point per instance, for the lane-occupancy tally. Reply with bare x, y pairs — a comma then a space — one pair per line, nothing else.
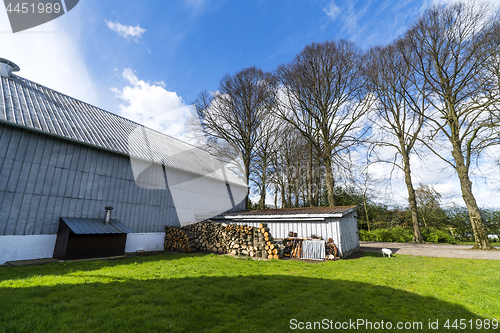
190, 45
149, 60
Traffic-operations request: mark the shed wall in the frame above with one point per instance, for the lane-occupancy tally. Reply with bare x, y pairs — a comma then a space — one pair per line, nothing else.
304, 229
349, 233
343, 231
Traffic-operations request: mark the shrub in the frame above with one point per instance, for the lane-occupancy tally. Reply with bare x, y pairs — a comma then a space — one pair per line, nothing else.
383, 235
402, 235
432, 235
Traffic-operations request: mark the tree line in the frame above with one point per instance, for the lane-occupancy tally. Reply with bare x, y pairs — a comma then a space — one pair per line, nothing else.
295, 131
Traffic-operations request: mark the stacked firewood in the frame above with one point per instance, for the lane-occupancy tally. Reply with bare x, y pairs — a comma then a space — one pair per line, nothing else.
209, 236
179, 240
273, 251
220, 238
252, 241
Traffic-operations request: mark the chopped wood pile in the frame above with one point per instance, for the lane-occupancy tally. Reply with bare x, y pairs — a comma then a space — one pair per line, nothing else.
221, 238
179, 240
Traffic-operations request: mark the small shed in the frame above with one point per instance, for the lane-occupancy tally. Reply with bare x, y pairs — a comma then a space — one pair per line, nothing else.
83, 238
339, 223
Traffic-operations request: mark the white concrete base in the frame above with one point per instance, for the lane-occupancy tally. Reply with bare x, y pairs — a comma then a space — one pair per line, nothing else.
42, 246
145, 242
26, 247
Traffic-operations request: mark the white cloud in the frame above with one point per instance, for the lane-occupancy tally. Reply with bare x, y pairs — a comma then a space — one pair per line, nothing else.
151, 105
49, 55
429, 169
332, 10
126, 31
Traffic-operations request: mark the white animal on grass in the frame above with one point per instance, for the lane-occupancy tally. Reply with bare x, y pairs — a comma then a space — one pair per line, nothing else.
386, 251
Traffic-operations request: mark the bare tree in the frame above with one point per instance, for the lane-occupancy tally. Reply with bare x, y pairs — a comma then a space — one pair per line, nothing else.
266, 148
399, 111
452, 44
323, 97
235, 113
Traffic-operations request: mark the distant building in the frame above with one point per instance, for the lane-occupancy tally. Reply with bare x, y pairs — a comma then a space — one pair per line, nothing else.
61, 157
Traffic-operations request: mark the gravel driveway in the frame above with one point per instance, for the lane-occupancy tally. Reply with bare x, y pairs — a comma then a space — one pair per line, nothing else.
432, 250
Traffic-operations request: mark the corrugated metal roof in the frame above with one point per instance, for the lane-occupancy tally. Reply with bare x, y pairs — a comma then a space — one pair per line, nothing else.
86, 226
293, 211
31, 105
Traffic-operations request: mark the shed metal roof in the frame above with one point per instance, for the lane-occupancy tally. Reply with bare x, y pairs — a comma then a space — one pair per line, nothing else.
318, 212
87, 226
30, 105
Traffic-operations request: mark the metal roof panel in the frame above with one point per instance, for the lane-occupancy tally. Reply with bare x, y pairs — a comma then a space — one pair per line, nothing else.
337, 210
88, 226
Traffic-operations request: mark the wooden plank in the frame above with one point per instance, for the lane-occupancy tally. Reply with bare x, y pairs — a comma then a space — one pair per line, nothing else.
9, 175
23, 177
32, 212
77, 184
22, 219
83, 185
56, 214
31, 148
56, 181
22, 145
49, 177
64, 183
50, 217
13, 146
54, 152
61, 155
15, 208
31, 181
38, 228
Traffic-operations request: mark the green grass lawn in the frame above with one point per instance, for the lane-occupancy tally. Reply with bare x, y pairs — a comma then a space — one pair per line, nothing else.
208, 293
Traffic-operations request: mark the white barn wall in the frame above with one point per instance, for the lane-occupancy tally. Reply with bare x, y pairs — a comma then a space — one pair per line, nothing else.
197, 198
144, 242
43, 178
26, 247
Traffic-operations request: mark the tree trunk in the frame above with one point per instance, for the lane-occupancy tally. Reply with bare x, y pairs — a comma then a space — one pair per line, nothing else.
283, 194
318, 186
296, 189
417, 235
275, 196
366, 213
330, 184
310, 178
480, 238
247, 179
262, 201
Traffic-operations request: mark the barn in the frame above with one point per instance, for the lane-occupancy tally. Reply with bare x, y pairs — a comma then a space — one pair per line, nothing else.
339, 223
64, 161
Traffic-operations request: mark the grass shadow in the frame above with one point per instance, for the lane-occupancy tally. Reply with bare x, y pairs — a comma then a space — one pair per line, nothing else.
254, 303
372, 254
63, 268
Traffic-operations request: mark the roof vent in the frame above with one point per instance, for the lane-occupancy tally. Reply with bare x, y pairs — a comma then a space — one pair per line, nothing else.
7, 67
108, 214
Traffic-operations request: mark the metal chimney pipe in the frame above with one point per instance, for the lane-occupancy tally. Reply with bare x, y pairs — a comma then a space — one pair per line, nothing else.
108, 214
7, 67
